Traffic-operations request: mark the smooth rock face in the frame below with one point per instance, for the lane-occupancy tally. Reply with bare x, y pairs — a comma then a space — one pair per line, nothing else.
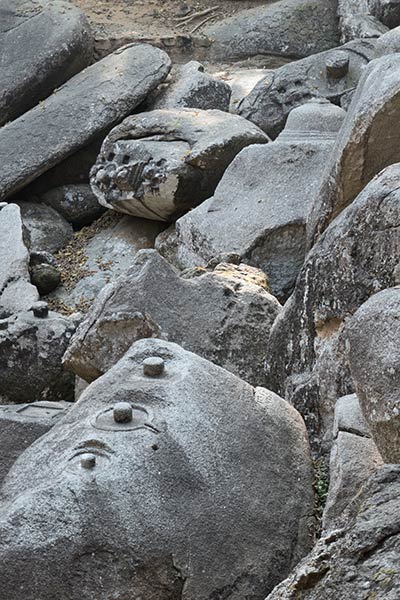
48, 230
362, 559
88, 104
354, 258
158, 165
242, 489
16, 291
260, 213
356, 20
366, 144
31, 349
76, 203
191, 87
42, 45
374, 355
288, 28
330, 75
388, 43
20, 426
224, 316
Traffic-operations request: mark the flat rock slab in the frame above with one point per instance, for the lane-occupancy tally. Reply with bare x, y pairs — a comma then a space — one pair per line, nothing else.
88, 104
42, 45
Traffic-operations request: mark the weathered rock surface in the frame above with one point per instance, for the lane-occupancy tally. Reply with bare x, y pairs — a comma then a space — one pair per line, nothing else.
387, 11
89, 104
366, 144
31, 349
362, 559
48, 230
355, 258
20, 426
223, 315
76, 203
356, 20
130, 497
158, 165
330, 75
16, 291
388, 43
261, 213
288, 28
374, 355
191, 87
45, 277
42, 45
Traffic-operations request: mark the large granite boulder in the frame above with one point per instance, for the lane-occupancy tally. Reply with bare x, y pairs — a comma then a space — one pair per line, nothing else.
361, 560
16, 291
356, 20
366, 144
158, 165
42, 45
89, 104
287, 28
261, 213
31, 348
331, 75
169, 478
355, 257
48, 230
374, 355
223, 315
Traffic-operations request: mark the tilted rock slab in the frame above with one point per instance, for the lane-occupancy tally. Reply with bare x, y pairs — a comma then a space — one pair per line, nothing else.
198, 486
374, 355
42, 45
224, 316
354, 258
88, 104
158, 165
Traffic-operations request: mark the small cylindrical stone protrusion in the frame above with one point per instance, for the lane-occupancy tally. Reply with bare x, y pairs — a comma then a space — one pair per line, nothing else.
153, 366
337, 64
88, 461
122, 412
40, 309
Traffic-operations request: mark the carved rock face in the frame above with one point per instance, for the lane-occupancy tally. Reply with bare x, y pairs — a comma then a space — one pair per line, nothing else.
170, 478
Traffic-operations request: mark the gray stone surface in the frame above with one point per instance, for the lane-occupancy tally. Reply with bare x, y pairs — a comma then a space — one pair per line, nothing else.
374, 355
16, 291
361, 560
31, 349
349, 417
261, 213
158, 165
292, 85
356, 20
45, 277
388, 43
191, 87
20, 426
89, 104
387, 11
76, 203
42, 45
48, 230
223, 315
366, 144
288, 28
207, 492
354, 258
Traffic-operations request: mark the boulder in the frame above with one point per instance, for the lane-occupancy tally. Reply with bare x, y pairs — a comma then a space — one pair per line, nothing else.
42, 45
31, 347
88, 105
223, 314
374, 355
387, 11
354, 258
389, 43
361, 560
16, 291
76, 203
287, 28
158, 165
147, 461
45, 277
21, 425
356, 20
48, 230
366, 144
191, 87
331, 75
261, 213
